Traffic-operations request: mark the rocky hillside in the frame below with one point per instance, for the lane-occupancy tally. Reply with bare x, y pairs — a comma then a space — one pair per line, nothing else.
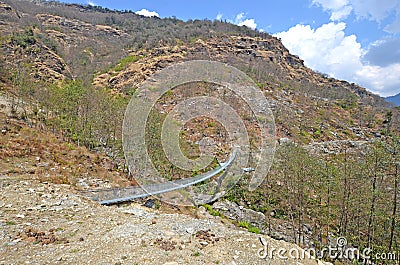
57, 42
44, 219
339, 110
67, 73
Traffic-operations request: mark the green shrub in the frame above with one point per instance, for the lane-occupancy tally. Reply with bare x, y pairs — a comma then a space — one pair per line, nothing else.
251, 228
125, 61
210, 209
317, 134
244, 224
24, 39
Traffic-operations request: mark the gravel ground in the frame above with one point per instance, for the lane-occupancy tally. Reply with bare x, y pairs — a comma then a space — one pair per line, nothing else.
44, 223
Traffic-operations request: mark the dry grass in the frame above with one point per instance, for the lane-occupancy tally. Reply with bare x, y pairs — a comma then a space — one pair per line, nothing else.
25, 150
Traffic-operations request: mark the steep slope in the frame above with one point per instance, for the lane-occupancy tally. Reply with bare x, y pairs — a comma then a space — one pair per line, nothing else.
68, 72
45, 219
37, 153
92, 38
121, 49
339, 110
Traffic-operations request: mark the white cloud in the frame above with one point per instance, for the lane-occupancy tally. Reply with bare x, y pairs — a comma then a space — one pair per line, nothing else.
394, 27
331, 4
327, 49
241, 20
383, 52
219, 16
384, 80
340, 14
374, 10
339, 9
147, 13
250, 23
92, 3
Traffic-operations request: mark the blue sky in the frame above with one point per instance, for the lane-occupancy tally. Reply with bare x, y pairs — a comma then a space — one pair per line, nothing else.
354, 40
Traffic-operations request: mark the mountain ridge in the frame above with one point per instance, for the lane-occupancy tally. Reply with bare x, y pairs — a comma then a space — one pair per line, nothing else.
84, 17
394, 99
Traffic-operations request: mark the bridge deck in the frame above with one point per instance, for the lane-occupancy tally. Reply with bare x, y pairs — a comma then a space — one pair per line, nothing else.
119, 195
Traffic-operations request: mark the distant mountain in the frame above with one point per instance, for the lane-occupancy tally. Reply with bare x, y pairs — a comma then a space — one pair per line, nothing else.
394, 99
